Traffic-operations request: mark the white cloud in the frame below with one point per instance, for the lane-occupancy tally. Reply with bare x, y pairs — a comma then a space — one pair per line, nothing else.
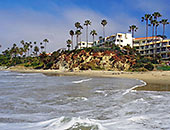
30, 25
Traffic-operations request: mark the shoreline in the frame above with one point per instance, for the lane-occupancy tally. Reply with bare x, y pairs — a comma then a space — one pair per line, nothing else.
155, 80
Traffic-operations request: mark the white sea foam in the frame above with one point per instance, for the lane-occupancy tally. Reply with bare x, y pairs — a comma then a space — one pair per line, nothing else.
78, 98
138, 118
81, 81
156, 96
131, 89
61, 123
67, 123
101, 92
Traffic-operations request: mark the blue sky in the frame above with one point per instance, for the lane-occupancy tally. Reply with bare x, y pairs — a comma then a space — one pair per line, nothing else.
35, 20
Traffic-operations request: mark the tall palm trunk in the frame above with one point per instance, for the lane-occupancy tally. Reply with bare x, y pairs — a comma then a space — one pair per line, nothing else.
132, 33
72, 41
93, 39
45, 46
163, 30
103, 32
153, 30
77, 40
156, 31
87, 35
146, 29
153, 41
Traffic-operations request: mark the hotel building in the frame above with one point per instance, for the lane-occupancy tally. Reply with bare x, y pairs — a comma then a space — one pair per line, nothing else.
121, 39
150, 46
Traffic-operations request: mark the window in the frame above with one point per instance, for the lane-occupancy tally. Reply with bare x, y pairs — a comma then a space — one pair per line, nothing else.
117, 40
121, 40
147, 51
158, 50
164, 43
163, 49
163, 55
83, 43
119, 36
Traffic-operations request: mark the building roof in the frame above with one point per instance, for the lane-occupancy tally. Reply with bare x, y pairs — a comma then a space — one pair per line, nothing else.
142, 38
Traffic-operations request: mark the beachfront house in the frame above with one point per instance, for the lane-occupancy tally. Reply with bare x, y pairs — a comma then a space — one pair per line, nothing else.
83, 44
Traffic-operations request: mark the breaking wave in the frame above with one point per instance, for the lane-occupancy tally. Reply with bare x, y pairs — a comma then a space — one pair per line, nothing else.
81, 81
62, 123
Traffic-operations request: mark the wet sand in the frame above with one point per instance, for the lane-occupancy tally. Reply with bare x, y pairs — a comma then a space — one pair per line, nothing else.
156, 80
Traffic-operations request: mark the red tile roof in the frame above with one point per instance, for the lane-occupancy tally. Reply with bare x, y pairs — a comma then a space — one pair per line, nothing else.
140, 38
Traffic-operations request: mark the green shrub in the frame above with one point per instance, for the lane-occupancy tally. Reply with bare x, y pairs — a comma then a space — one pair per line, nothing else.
164, 68
149, 66
49, 65
40, 66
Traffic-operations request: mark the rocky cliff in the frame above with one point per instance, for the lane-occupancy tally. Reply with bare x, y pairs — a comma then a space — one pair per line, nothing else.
102, 60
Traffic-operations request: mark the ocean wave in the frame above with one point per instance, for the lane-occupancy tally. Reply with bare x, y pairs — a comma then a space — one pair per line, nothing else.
62, 123
73, 123
101, 92
81, 81
78, 98
132, 89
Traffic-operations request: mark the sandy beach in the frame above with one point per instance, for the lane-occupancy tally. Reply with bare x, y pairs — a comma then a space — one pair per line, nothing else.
156, 80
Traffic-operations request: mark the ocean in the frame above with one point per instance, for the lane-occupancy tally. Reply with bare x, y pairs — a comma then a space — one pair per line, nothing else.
34, 101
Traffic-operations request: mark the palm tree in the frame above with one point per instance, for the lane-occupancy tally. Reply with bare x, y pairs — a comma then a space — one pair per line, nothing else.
77, 33
156, 15
80, 27
36, 49
104, 22
31, 48
93, 33
46, 41
77, 25
69, 42
146, 18
42, 47
133, 29
21, 50
156, 28
87, 23
22, 42
164, 22
72, 34
153, 23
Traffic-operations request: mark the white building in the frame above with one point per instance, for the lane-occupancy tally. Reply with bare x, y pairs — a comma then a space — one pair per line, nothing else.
121, 39
83, 44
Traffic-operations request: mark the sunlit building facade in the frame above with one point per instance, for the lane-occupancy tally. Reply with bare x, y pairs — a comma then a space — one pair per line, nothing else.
151, 46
